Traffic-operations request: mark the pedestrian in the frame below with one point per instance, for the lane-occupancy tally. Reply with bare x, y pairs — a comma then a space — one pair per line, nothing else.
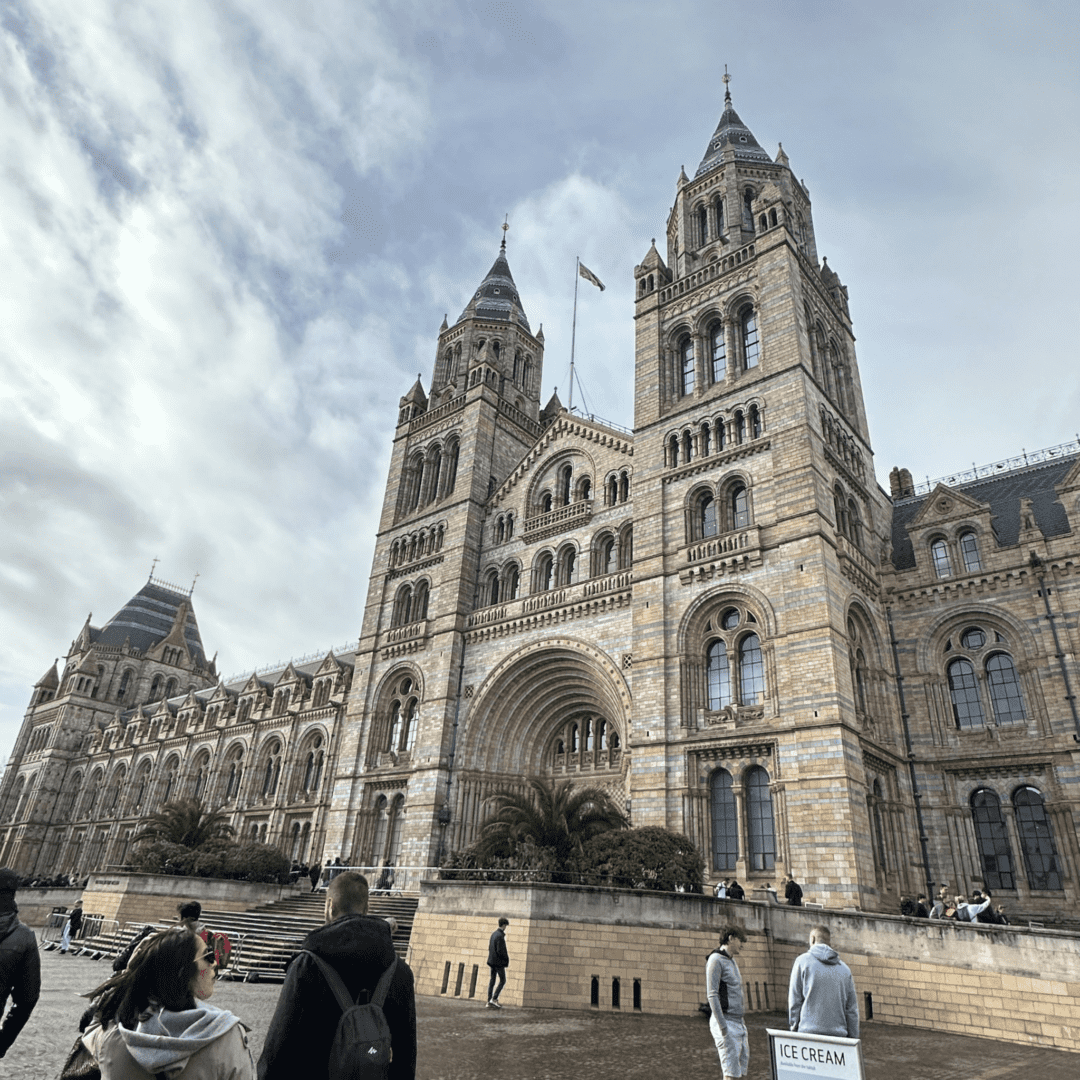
723, 985
359, 948
922, 910
735, 891
498, 961
20, 964
821, 991
72, 928
314, 874
792, 892
720, 892
154, 1018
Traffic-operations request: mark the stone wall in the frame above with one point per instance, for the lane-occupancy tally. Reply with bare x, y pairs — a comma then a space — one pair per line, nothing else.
35, 905
152, 898
569, 944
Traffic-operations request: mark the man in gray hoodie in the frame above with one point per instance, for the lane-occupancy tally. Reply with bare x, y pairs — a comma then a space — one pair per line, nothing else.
723, 985
821, 993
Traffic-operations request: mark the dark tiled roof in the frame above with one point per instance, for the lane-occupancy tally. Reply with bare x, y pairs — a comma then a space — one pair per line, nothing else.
1003, 493
731, 131
497, 297
148, 617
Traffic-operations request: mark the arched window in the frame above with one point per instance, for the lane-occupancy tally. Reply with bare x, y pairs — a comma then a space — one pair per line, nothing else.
402, 613
703, 224
748, 209
992, 840
155, 689
624, 486
272, 770
719, 352
705, 438
584, 489
1036, 841
739, 501
142, 785
565, 572
234, 771
751, 671
420, 601
491, 588
544, 568
169, 789
686, 354
725, 825
125, 682
939, 552
626, 548
755, 422
706, 516
717, 676
718, 213
751, 346
509, 526
673, 451
607, 562
739, 424
720, 427
431, 474
575, 739
772, 218
880, 849
1006, 698
759, 814
416, 476
969, 552
511, 582
854, 524
964, 691
452, 451
382, 826
566, 477
611, 488
202, 774
545, 503
687, 446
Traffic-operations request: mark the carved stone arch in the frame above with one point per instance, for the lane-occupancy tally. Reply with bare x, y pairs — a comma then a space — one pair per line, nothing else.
928, 652
546, 474
855, 605
739, 301
713, 313
692, 626
520, 704
386, 692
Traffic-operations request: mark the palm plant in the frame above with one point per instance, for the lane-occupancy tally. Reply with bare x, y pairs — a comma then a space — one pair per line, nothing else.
556, 818
185, 822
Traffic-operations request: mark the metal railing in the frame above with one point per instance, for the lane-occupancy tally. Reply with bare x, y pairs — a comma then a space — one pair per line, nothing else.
982, 472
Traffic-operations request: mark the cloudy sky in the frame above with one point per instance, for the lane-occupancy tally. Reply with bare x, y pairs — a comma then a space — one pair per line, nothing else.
230, 230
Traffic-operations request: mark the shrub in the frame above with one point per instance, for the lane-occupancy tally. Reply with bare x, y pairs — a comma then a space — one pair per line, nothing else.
646, 858
256, 862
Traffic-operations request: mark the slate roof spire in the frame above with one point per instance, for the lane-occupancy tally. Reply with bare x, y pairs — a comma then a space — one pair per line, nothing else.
730, 132
497, 298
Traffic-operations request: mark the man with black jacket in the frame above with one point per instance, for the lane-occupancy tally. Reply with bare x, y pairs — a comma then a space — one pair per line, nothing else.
359, 947
20, 965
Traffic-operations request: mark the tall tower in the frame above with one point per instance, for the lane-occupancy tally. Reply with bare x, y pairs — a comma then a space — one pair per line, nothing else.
762, 702
452, 448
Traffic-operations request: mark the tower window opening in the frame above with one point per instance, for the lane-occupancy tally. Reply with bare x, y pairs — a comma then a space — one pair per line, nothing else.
719, 352
687, 353
751, 343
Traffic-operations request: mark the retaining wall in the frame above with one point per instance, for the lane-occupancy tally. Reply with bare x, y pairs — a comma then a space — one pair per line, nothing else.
579, 948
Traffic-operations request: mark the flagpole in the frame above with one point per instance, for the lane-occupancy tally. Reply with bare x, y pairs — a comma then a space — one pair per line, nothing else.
573, 330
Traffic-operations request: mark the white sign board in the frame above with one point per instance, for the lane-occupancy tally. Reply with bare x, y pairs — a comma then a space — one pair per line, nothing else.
796, 1056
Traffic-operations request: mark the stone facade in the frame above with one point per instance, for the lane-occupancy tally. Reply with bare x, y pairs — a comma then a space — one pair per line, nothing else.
720, 617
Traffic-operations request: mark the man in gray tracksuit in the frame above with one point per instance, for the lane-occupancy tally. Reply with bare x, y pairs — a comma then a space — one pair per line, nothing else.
821, 993
723, 984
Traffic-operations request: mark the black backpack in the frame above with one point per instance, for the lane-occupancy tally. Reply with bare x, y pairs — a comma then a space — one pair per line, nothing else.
361, 1049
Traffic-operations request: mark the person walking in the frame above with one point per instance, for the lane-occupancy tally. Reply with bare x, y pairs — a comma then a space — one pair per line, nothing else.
20, 964
498, 960
359, 948
314, 874
72, 927
821, 991
723, 985
792, 892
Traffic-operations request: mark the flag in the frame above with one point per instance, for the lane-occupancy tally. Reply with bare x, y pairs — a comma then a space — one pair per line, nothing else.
588, 275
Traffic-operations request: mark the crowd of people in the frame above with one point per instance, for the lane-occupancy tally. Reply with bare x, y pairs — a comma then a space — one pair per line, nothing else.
979, 907
346, 996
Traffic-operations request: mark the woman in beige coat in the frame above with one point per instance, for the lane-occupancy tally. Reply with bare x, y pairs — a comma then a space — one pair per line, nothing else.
155, 1019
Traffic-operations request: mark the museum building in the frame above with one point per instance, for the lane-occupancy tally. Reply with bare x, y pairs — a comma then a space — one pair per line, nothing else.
718, 617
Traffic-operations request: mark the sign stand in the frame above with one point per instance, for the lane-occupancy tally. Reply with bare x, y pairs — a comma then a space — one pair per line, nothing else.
797, 1056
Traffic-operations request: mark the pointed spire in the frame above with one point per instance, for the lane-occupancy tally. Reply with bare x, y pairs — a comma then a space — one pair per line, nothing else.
683, 178
416, 395
731, 133
781, 157
540, 334
445, 325
497, 297
51, 679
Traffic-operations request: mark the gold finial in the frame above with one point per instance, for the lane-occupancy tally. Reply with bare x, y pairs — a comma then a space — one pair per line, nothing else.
505, 225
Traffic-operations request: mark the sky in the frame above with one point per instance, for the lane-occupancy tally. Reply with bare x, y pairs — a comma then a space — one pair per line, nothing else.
231, 229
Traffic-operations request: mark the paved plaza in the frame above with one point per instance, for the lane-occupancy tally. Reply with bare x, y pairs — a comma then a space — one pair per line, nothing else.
462, 1039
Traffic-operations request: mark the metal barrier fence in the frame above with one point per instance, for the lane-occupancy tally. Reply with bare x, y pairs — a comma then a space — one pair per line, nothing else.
93, 925
403, 880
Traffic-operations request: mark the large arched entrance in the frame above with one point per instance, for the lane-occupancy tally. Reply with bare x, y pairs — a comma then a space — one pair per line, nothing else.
559, 708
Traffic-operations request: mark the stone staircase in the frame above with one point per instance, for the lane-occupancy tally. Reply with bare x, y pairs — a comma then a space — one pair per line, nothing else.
265, 938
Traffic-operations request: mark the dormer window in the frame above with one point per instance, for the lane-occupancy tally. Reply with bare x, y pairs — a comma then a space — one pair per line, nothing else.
939, 552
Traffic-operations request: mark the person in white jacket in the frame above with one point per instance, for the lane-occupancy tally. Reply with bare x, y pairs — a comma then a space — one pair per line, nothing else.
154, 1018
